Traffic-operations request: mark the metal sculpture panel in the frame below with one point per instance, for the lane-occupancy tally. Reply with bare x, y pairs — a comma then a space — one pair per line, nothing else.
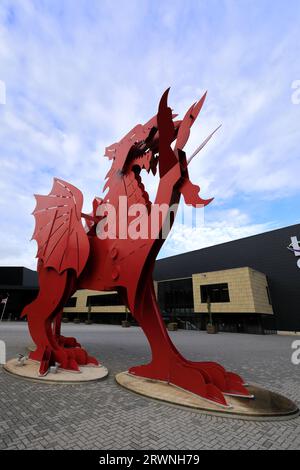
71, 256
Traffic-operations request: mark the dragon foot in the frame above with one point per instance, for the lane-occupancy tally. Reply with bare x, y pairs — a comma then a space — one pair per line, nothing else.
185, 376
228, 382
68, 342
70, 358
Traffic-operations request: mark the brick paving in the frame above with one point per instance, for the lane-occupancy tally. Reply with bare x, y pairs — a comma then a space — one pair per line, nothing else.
102, 415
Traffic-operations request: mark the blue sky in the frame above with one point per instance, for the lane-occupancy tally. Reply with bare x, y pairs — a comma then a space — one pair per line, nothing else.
80, 73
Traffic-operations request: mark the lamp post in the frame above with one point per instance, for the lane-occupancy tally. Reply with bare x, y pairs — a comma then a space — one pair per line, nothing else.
210, 327
4, 302
209, 311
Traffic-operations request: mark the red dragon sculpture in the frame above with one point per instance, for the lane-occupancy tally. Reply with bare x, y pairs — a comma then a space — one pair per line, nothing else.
72, 257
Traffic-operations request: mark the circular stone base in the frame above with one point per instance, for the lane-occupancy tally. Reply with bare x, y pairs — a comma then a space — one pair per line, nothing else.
264, 405
30, 371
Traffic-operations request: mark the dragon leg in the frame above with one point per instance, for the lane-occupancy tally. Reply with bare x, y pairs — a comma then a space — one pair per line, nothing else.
41, 314
67, 342
208, 380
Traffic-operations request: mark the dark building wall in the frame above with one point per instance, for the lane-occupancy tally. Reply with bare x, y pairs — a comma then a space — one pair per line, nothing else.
21, 285
17, 300
11, 276
30, 278
266, 252
18, 276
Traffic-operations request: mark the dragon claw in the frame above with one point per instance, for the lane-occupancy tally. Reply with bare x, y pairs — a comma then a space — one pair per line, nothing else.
228, 382
184, 376
68, 342
68, 359
209, 380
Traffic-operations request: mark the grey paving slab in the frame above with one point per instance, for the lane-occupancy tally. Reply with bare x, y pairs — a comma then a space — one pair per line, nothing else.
102, 415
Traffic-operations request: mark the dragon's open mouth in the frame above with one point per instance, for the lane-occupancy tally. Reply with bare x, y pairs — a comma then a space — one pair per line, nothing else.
146, 161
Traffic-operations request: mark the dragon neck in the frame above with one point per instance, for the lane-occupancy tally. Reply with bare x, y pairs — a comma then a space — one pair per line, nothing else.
129, 185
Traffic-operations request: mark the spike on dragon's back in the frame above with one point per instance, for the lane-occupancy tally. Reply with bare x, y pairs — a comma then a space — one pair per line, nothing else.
71, 258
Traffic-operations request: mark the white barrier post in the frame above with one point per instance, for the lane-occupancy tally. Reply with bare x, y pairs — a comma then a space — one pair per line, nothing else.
2, 352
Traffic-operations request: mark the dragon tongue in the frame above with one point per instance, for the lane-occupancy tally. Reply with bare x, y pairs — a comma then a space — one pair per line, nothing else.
147, 161
190, 193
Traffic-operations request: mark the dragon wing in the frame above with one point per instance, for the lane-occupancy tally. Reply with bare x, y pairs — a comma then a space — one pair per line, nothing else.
62, 241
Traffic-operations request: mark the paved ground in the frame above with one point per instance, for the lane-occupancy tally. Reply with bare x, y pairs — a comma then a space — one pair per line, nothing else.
102, 415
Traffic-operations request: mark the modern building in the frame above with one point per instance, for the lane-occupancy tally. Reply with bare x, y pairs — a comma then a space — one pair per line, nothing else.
100, 307
18, 287
251, 285
239, 300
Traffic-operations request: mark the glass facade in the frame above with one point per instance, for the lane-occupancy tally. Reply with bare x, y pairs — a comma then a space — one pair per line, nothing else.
103, 300
71, 302
176, 297
216, 293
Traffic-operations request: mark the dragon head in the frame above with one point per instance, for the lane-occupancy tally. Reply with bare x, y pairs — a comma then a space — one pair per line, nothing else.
140, 149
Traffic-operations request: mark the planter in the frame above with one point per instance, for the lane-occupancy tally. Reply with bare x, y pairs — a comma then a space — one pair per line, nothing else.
125, 324
211, 329
88, 322
76, 320
173, 326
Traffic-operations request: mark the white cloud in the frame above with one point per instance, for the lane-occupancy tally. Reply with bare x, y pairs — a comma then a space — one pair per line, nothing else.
80, 74
228, 225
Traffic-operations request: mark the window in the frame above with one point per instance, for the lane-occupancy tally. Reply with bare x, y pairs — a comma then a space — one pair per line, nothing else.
216, 293
103, 300
176, 296
71, 302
